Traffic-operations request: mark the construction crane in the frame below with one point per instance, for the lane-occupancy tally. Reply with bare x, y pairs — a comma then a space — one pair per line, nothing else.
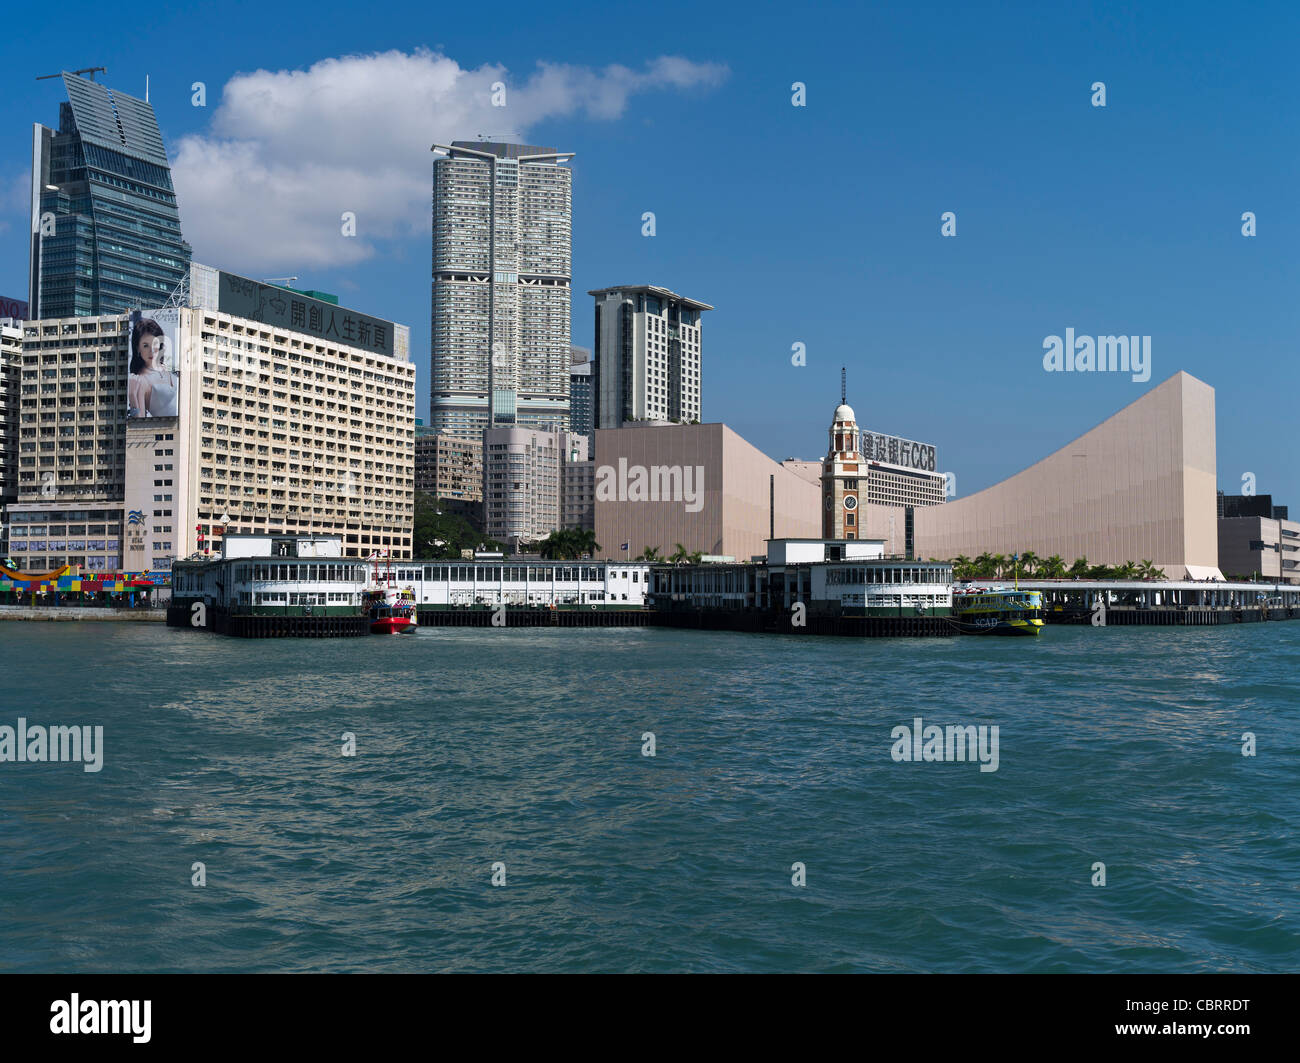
282, 281
84, 70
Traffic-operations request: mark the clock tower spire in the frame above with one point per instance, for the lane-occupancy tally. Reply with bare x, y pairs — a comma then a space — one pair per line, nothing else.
842, 472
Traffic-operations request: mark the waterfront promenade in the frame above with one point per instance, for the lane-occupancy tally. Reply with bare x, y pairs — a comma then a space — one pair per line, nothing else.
80, 612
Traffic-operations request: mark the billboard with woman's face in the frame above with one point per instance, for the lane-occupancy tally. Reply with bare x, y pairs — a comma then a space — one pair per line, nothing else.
153, 381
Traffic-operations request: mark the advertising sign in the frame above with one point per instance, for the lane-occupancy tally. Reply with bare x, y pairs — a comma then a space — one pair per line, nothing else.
893, 450
297, 312
153, 381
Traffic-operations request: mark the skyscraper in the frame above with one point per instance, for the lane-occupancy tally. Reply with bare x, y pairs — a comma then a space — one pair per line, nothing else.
502, 271
106, 232
647, 356
582, 407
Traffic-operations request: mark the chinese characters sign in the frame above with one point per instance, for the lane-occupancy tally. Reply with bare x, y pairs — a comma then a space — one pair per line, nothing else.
297, 312
896, 451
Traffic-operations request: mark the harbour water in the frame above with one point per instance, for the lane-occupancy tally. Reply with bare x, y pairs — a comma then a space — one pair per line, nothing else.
477, 747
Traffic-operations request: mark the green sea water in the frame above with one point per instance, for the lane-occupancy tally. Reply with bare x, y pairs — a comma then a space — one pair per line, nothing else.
519, 755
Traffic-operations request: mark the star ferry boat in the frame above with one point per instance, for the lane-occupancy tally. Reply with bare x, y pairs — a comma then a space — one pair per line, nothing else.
392, 610
998, 611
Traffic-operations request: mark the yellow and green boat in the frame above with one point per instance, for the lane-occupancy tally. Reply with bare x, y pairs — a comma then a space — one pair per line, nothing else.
998, 611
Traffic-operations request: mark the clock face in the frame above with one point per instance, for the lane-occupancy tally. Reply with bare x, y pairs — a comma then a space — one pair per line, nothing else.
850, 502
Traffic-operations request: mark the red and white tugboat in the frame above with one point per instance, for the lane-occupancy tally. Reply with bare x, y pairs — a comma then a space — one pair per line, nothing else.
391, 610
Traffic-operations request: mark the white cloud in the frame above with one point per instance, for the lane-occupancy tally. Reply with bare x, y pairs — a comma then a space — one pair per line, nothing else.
289, 151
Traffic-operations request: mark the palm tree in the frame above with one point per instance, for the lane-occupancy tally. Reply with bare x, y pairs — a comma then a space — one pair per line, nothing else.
1029, 561
1125, 571
679, 556
696, 557
584, 542
1054, 567
983, 565
1080, 567
651, 553
961, 566
568, 544
1148, 570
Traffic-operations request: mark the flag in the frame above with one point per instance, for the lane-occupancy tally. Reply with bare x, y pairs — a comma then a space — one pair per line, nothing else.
626, 546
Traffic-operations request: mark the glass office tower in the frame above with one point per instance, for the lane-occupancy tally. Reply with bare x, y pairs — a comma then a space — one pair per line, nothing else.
106, 232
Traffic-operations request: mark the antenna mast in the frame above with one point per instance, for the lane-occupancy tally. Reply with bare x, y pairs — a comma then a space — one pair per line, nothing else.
844, 393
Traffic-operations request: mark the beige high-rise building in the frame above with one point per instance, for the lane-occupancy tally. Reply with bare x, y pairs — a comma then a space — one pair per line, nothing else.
263, 410
71, 467
449, 467
523, 482
11, 368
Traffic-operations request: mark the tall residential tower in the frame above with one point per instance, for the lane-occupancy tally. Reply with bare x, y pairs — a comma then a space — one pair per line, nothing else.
647, 356
502, 272
106, 232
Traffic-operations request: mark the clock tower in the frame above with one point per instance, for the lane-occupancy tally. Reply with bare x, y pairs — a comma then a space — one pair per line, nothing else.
842, 472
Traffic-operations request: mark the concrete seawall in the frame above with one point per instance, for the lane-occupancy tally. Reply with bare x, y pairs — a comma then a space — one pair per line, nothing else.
71, 612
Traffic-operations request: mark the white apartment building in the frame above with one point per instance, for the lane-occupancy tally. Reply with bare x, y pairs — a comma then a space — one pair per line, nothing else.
502, 278
648, 362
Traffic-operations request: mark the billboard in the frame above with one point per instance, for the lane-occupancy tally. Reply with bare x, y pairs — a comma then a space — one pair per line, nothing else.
893, 450
299, 312
153, 380
14, 308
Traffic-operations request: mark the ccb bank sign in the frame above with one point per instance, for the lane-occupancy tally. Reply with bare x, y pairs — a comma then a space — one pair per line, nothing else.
895, 451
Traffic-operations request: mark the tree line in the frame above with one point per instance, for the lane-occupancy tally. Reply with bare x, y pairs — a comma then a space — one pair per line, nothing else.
1029, 564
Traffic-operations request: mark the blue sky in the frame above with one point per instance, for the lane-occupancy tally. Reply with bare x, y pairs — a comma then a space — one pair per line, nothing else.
818, 225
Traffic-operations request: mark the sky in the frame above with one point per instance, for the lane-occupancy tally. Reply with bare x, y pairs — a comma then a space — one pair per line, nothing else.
818, 225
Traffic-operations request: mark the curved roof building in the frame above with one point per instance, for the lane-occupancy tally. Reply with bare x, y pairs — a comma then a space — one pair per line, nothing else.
1139, 486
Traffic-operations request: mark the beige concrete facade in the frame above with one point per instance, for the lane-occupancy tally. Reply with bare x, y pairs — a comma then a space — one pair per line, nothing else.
1139, 486
807, 470
276, 431
449, 467
699, 485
